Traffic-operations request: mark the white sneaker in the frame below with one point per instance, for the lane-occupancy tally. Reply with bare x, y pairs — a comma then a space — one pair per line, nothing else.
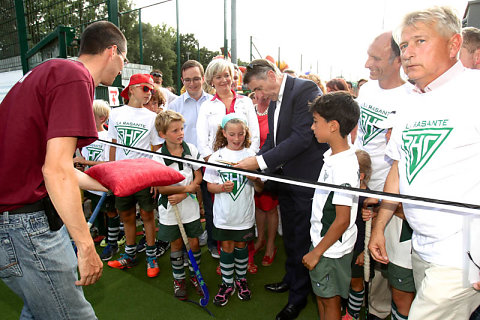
202, 240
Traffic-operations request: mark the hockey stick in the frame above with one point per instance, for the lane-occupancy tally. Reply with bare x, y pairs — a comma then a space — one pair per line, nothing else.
206, 296
366, 262
93, 216
97, 209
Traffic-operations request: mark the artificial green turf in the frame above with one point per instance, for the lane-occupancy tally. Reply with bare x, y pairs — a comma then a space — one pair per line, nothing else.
130, 294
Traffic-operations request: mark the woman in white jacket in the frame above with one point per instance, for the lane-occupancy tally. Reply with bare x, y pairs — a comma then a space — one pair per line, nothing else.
219, 75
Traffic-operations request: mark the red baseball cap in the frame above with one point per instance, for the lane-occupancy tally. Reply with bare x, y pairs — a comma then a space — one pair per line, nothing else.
137, 79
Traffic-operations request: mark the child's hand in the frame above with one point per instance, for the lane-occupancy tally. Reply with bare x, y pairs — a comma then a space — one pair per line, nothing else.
228, 186
80, 160
310, 260
252, 178
360, 259
367, 214
176, 198
154, 192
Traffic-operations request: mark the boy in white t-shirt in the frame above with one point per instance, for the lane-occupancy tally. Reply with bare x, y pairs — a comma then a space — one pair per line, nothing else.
333, 230
134, 126
93, 154
169, 125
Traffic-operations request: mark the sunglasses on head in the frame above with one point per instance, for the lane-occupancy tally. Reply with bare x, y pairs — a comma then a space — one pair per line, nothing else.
145, 88
156, 74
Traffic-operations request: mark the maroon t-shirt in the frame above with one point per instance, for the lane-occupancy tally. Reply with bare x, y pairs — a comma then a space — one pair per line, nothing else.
52, 100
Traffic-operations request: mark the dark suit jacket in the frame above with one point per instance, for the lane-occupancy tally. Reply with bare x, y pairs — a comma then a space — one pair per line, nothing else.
297, 151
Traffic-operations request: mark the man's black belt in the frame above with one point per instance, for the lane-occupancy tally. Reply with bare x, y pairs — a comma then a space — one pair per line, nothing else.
28, 208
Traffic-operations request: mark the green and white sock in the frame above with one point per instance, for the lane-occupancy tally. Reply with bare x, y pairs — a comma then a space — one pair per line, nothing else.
397, 315
176, 259
131, 250
113, 230
226, 266
151, 251
241, 262
355, 300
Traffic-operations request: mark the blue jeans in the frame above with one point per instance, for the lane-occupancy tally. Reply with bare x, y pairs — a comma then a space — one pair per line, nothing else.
40, 266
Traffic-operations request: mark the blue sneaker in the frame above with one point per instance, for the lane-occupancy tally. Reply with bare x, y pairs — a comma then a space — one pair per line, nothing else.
125, 261
108, 252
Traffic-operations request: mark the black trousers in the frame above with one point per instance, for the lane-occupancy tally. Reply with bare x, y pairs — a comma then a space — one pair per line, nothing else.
296, 210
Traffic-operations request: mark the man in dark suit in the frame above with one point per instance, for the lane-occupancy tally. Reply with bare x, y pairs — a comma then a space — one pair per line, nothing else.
292, 151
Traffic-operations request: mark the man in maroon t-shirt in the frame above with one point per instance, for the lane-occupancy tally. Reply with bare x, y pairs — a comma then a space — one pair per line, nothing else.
45, 117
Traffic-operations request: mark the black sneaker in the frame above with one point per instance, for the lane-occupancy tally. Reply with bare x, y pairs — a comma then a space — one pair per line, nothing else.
162, 247
108, 252
142, 244
223, 294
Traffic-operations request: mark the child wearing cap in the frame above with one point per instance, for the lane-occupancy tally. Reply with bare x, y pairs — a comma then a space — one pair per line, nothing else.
233, 208
134, 126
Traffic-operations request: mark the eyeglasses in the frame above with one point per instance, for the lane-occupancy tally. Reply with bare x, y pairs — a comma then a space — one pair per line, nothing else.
471, 259
125, 60
188, 80
156, 74
144, 88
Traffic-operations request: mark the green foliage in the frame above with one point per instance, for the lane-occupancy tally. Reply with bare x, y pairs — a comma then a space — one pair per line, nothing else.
159, 41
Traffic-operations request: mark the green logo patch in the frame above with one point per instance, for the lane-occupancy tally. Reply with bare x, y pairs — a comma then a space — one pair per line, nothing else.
94, 153
420, 145
368, 119
239, 182
129, 135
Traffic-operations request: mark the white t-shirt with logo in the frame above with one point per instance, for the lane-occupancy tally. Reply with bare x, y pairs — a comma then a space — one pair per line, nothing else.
436, 139
375, 105
97, 151
339, 169
188, 208
233, 210
133, 127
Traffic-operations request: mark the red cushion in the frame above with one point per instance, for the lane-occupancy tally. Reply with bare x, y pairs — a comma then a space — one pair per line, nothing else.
125, 177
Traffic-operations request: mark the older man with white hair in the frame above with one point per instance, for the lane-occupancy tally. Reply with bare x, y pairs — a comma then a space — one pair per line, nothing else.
435, 144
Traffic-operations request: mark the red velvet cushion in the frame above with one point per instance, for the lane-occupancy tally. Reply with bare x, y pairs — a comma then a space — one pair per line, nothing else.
125, 177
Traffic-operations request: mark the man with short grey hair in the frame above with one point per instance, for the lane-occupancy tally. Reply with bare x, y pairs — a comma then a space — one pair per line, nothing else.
434, 145
470, 51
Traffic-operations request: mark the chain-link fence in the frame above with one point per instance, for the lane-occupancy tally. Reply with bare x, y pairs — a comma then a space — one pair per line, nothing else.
41, 18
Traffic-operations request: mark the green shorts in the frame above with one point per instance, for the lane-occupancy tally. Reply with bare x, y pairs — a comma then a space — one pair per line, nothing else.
331, 277
235, 235
171, 233
399, 278
143, 197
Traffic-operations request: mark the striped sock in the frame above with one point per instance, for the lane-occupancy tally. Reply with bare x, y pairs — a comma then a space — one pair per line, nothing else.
131, 250
397, 315
198, 258
226, 266
113, 230
355, 300
121, 227
241, 262
176, 259
151, 251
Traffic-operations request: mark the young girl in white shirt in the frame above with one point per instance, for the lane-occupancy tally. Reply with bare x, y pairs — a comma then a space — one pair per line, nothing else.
234, 208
